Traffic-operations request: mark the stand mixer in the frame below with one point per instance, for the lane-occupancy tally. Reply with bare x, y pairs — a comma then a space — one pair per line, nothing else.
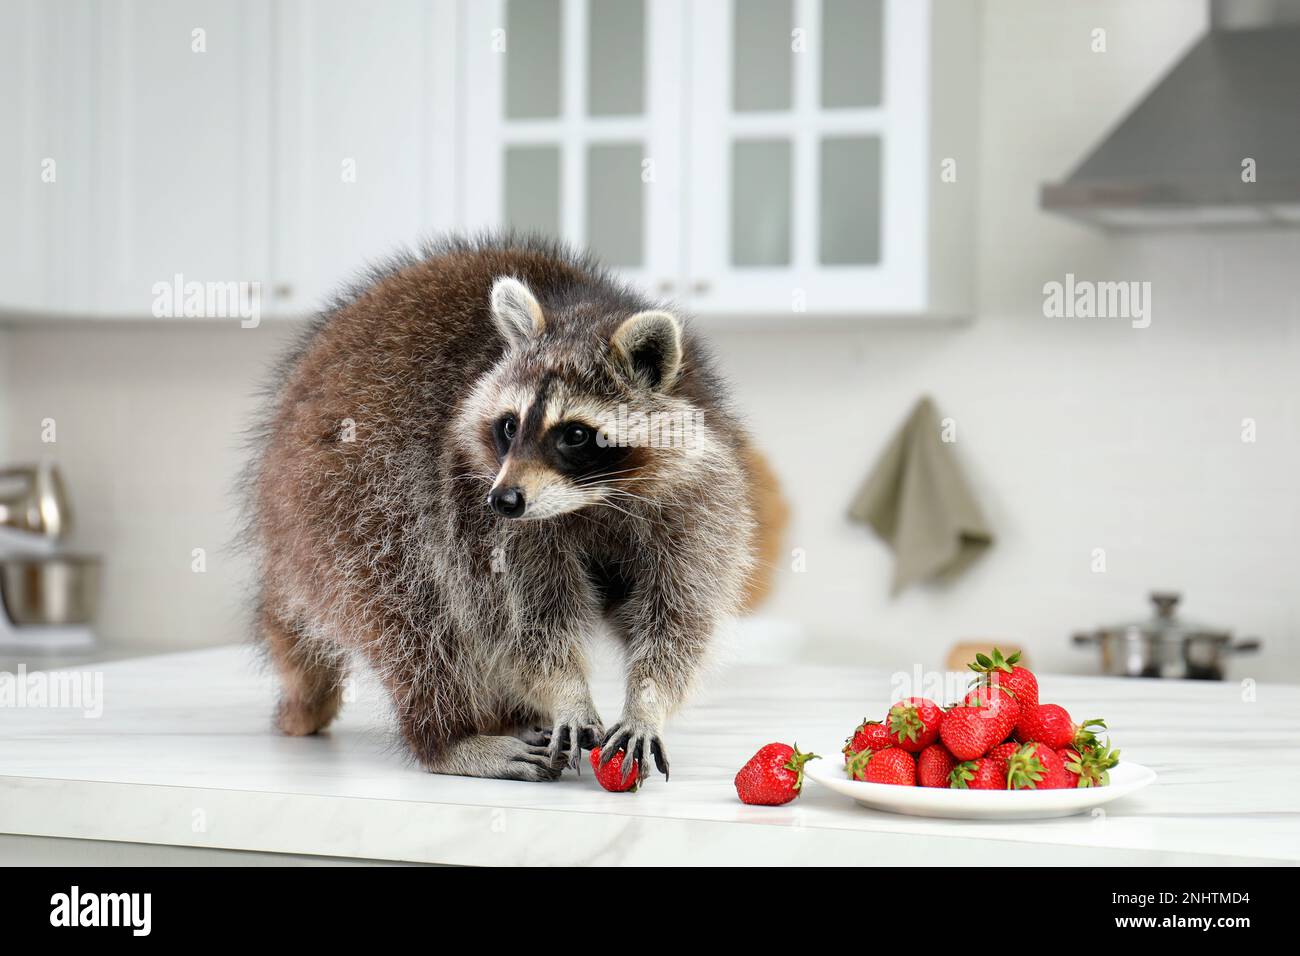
47, 596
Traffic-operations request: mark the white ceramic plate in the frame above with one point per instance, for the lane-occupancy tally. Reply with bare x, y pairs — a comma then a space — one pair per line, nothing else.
977, 804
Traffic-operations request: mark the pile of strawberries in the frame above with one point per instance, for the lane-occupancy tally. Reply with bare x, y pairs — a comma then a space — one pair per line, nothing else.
998, 738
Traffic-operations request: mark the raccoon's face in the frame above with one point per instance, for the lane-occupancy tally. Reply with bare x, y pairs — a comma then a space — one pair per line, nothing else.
550, 418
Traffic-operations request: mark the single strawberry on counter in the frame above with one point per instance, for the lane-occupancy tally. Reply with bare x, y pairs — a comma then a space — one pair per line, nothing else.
891, 765
981, 721
1050, 724
868, 735
610, 776
1005, 672
772, 776
1036, 766
915, 723
933, 765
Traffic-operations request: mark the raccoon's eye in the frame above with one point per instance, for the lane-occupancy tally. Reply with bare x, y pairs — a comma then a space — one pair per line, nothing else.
507, 427
575, 436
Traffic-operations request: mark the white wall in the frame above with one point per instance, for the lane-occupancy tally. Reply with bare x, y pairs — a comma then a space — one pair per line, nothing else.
1076, 434
150, 420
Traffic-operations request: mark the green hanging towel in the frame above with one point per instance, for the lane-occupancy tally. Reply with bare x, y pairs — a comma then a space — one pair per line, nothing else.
918, 502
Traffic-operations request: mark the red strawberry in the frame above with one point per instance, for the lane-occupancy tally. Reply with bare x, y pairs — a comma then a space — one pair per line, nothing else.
869, 735
1089, 766
915, 723
982, 774
772, 776
1002, 752
1036, 766
610, 776
933, 765
1051, 724
1020, 681
893, 765
987, 773
981, 721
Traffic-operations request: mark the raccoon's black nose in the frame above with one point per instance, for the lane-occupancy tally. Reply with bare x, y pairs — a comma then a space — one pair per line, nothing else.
507, 501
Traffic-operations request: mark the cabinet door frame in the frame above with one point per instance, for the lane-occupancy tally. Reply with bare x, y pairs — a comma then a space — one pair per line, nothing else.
486, 132
897, 283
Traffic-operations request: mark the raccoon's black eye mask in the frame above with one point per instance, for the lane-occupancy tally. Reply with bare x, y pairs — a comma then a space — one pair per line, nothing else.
579, 455
570, 448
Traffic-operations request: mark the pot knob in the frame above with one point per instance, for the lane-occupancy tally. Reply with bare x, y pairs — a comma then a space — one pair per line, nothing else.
1165, 602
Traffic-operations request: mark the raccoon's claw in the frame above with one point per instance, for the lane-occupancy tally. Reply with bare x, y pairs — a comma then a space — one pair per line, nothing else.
637, 742
533, 763
568, 739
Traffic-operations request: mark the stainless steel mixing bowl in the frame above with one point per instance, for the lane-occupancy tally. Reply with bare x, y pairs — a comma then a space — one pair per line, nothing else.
62, 589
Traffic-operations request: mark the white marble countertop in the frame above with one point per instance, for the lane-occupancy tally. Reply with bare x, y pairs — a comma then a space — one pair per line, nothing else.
183, 755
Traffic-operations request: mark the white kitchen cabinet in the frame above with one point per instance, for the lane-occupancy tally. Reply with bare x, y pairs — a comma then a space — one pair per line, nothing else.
364, 138
573, 120
771, 159
47, 168
815, 183
753, 158
183, 168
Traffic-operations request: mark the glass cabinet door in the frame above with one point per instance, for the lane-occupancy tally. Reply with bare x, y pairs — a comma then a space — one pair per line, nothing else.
573, 127
807, 155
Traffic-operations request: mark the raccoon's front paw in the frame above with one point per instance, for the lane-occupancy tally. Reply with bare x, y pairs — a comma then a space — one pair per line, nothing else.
572, 735
640, 741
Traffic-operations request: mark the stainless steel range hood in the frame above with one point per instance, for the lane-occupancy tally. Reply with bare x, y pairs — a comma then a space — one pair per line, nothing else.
1177, 159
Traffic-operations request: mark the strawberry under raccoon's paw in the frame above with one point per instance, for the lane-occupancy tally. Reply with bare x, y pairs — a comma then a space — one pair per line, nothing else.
503, 758
639, 740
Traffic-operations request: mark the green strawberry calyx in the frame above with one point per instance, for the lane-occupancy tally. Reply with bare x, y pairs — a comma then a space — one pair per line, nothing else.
905, 721
961, 774
985, 665
1024, 769
796, 762
857, 762
1093, 765
1085, 735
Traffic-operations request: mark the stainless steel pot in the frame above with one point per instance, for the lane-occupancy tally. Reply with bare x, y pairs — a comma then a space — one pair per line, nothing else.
61, 590
1164, 646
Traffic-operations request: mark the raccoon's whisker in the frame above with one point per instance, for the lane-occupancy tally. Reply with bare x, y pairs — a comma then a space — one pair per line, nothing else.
624, 493
608, 504
606, 475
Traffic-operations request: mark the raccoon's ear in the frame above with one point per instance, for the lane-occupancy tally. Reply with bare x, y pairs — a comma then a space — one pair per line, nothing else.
516, 311
651, 344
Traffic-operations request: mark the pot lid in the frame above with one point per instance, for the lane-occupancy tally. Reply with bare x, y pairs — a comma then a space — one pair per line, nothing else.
1164, 623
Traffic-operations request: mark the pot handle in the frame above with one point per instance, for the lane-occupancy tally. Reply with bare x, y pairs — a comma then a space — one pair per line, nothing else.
1090, 637
1246, 644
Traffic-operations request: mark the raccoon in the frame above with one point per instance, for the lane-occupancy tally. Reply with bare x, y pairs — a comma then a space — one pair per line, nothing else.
477, 460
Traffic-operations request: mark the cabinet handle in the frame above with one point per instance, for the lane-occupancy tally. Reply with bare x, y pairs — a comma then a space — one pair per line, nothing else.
667, 285
701, 286
282, 291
